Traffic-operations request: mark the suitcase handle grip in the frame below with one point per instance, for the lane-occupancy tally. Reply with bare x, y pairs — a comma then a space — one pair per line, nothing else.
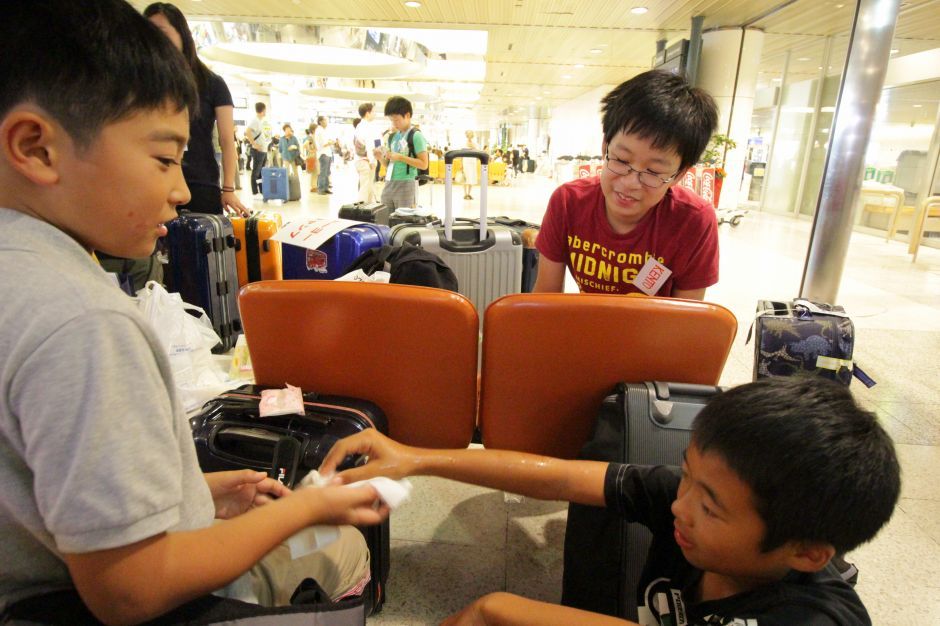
448, 183
460, 154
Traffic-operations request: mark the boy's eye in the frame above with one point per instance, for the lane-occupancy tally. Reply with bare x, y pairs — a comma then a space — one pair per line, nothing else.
707, 510
167, 161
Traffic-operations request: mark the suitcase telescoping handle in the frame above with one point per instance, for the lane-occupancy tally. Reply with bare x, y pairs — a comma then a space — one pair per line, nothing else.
448, 185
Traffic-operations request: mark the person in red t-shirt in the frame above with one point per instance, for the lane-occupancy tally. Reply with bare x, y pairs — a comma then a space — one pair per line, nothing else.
631, 229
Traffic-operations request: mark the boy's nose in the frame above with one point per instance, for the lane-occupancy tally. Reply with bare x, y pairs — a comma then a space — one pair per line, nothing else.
180, 193
679, 509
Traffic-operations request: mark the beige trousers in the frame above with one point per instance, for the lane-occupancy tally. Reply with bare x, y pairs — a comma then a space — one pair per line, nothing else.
338, 568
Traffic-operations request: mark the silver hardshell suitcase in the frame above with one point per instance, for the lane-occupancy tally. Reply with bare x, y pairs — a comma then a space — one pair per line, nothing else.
487, 258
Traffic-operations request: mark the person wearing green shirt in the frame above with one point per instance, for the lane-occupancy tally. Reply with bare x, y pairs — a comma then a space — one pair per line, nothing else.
402, 162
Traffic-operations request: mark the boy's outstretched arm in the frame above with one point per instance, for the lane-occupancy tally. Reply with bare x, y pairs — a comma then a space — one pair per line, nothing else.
541, 477
134, 583
506, 609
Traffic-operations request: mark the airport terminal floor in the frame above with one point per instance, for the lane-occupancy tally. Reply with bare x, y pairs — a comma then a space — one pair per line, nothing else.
455, 542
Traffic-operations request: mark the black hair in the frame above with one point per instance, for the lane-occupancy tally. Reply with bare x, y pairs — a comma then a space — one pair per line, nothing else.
356, 122
820, 468
286, 126
664, 109
321, 118
364, 108
98, 62
178, 21
396, 105
260, 107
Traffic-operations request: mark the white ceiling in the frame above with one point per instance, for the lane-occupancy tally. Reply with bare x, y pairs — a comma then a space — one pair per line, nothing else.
539, 52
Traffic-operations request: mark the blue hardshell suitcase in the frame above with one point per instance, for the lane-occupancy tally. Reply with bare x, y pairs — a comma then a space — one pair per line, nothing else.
332, 259
274, 184
201, 268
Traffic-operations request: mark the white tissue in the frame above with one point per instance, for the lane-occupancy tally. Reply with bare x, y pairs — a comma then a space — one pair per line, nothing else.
393, 493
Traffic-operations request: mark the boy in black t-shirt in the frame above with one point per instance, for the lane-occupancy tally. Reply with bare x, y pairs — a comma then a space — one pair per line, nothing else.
780, 476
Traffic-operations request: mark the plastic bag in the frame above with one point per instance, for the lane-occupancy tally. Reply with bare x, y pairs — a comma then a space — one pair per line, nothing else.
188, 341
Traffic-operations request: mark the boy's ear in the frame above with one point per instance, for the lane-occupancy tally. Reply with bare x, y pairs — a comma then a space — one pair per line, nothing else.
810, 556
30, 144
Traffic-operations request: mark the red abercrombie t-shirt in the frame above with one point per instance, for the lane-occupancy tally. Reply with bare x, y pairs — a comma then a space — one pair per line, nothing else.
681, 232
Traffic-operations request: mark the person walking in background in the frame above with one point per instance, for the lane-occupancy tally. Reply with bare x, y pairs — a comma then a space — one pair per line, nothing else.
259, 134
310, 155
274, 151
470, 177
365, 140
290, 150
324, 156
215, 112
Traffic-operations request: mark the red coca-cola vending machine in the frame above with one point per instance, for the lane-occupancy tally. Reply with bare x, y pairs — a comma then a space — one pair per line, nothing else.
690, 179
708, 185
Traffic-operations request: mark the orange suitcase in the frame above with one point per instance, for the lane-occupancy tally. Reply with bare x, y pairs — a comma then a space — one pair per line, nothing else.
257, 256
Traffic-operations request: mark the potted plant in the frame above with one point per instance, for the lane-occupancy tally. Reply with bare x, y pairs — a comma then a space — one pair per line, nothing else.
714, 156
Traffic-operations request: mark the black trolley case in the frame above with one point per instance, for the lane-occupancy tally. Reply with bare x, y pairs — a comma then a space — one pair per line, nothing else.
229, 435
644, 424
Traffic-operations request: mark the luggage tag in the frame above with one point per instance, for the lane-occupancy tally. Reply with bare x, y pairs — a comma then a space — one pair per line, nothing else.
651, 276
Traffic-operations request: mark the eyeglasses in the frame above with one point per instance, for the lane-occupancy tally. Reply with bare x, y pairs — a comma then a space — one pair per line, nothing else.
647, 179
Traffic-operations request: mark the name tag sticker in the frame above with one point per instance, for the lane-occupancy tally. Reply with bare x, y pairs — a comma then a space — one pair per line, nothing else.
651, 277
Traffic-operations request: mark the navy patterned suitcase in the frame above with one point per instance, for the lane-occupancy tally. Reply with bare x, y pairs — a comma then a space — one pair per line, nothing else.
201, 268
803, 336
229, 435
331, 260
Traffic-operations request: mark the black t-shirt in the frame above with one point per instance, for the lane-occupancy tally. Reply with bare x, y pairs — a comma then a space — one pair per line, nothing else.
199, 165
645, 495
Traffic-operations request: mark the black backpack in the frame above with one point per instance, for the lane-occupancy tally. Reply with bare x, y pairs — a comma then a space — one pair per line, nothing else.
408, 264
423, 175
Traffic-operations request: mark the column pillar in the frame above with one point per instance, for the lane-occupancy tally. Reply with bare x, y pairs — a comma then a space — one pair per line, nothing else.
865, 67
728, 71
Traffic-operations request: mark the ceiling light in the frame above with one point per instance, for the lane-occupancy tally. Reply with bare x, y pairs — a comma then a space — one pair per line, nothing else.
540, 97
776, 80
578, 66
638, 10
413, 4
917, 106
804, 59
595, 51
839, 6
566, 76
546, 92
894, 50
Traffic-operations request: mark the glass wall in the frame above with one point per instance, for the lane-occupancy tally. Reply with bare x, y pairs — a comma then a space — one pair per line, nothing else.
898, 165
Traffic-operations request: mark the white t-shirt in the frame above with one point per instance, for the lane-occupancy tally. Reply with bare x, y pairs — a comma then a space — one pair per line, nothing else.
368, 133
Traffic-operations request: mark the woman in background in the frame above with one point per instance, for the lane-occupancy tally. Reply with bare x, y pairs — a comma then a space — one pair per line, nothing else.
215, 106
469, 168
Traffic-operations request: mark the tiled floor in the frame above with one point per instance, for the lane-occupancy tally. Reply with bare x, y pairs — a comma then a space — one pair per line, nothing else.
453, 542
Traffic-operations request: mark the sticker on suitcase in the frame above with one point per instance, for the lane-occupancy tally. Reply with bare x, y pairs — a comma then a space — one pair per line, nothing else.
317, 261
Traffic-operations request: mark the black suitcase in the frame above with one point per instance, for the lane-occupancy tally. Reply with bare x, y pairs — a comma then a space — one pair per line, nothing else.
643, 424
375, 212
530, 255
202, 269
229, 435
397, 218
